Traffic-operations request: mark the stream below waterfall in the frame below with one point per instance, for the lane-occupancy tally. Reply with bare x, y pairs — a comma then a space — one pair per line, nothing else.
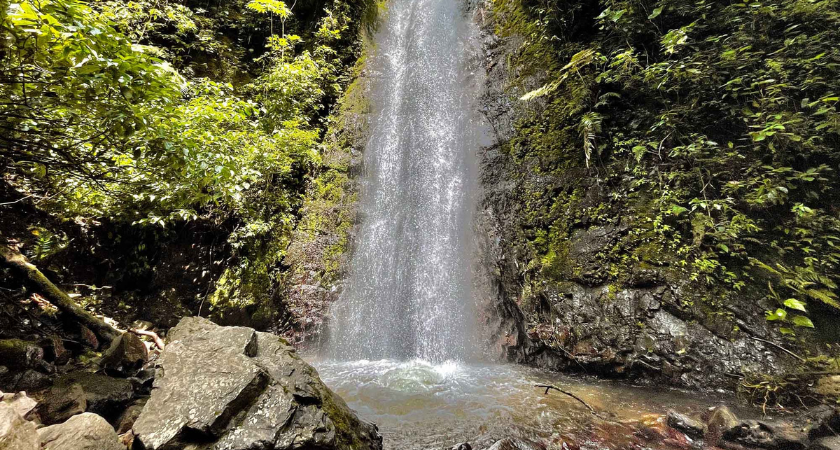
418, 405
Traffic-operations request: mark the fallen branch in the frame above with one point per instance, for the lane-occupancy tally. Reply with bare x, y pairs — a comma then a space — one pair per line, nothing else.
549, 387
158, 341
38, 282
801, 359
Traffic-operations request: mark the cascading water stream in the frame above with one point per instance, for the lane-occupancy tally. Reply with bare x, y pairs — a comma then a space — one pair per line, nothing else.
409, 292
402, 334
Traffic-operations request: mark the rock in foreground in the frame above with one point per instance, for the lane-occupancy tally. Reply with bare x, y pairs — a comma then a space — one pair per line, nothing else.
233, 388
86, 431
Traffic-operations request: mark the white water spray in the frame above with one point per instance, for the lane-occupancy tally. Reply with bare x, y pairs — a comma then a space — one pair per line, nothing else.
409, 294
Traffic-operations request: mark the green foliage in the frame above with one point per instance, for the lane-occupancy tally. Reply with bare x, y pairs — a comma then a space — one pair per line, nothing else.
74, 91
716, 131
150, 114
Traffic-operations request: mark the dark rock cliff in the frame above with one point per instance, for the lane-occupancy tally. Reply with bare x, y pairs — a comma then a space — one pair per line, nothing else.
646, 323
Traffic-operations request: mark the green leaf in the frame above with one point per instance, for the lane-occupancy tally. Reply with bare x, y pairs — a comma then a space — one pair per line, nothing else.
802, 321
793, 303
779, 314
677, 209
656, 12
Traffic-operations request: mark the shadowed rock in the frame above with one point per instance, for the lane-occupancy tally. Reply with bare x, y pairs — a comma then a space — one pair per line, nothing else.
769, 435
234, 388
126, 353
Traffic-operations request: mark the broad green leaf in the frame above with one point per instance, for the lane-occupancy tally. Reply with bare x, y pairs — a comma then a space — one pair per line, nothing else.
778, 314
802, 321
656, 12
793, 303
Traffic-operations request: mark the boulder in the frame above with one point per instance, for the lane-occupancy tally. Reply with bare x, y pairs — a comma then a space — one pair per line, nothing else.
126, 354
29, 380
721, 420
690, 427
769, 435
85, 431
104, 395
21, 402
234, 388
16, 433
55, 351
126, 420
61, 403
21, 354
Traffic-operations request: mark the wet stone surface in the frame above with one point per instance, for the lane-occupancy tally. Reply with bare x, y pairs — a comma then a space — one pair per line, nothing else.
234, 388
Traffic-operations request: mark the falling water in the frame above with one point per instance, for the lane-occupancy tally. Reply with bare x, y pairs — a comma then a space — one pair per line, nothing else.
401, 331
409, 292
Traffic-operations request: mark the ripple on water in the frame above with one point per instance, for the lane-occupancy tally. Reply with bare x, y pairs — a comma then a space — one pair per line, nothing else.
419, 405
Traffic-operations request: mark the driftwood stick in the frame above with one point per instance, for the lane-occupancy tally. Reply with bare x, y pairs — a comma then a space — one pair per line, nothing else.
801, 359
550, 387
38, 282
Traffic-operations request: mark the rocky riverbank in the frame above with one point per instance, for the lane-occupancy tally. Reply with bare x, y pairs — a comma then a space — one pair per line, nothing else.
212, 387
215, 387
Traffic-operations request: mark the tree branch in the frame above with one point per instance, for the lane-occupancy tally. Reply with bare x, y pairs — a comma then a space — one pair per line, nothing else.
37, 281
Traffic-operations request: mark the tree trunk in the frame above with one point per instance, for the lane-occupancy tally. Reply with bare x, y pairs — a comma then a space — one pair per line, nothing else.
41, 284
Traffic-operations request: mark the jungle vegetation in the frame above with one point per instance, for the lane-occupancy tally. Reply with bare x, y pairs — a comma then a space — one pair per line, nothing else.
133, 121
716, 123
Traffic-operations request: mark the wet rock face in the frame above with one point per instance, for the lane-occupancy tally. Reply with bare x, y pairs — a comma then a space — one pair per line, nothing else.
234, 388
644, 323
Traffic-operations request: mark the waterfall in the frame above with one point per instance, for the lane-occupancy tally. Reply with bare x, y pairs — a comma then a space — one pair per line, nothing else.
409, 292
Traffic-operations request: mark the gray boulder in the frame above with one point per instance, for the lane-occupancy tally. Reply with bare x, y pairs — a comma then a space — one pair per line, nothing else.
85, 431
827, 423
19, 401
515, 444
16, 433
234, 388
721, 420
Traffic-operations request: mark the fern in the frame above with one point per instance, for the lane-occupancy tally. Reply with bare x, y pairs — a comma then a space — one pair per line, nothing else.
589, 127
579, 60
